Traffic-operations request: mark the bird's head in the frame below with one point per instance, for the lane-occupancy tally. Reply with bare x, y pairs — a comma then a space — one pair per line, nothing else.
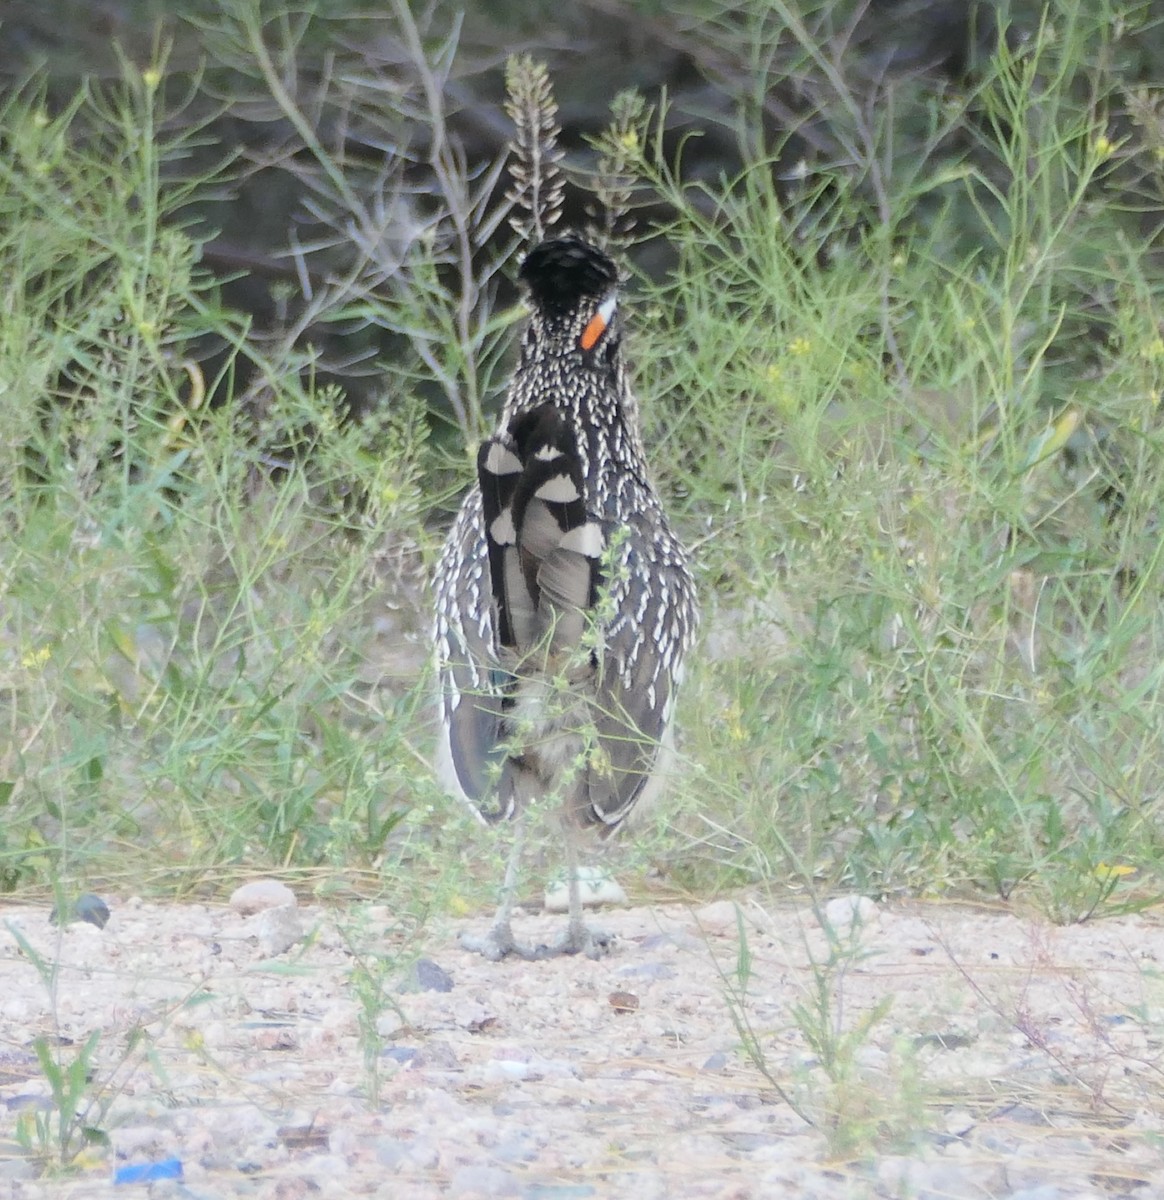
573, 287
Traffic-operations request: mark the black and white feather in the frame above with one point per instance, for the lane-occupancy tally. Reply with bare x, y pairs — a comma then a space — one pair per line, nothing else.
565, 603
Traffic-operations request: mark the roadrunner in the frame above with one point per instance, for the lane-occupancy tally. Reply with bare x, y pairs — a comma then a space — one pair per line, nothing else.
564, 603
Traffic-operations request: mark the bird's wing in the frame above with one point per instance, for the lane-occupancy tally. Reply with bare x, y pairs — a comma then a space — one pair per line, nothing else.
652, 597
472, 680
524, 558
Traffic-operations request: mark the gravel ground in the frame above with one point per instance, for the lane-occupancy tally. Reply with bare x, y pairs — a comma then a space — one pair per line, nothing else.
966, 1053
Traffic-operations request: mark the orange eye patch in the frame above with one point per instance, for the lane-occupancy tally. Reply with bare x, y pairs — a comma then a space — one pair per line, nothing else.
597, 325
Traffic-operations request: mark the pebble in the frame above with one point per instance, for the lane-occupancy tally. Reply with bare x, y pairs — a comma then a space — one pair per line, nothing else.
595, 886
559, 1191
484, 1181
675, 939
503, 1069
426, 976
718, 917
260, 894
391, 1151
436, 1055
648, 970
922, 1180
278, 929
423, 1154
521, 1148
140, 1141
845, 914
87, 907
389, 1023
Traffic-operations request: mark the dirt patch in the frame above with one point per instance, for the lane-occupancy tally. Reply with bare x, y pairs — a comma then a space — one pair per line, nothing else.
943, 1053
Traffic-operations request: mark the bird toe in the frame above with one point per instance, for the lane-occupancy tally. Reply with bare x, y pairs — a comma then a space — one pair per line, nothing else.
580, 939
498, 944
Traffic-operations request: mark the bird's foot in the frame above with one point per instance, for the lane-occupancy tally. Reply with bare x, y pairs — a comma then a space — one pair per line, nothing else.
579, 938
498, 943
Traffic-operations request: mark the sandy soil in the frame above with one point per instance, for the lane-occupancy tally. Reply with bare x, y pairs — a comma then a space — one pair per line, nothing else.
305, 1051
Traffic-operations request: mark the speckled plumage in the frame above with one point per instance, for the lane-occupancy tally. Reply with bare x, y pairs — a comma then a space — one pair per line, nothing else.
524, 715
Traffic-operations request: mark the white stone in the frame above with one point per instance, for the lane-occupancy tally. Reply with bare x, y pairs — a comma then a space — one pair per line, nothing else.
277, 929
718, 917
596, 888
261, 894
844, 913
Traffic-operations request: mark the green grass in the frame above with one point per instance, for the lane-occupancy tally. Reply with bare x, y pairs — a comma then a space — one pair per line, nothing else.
890, 397
901, 456
210, 611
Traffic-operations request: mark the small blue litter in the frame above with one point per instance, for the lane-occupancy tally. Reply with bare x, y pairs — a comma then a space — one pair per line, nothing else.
165, 1168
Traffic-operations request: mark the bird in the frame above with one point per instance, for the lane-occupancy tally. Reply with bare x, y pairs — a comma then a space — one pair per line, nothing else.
565, 603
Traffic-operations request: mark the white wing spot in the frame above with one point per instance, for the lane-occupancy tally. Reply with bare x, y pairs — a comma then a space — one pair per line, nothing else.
501, 461
559, 490
586, 539
502, 530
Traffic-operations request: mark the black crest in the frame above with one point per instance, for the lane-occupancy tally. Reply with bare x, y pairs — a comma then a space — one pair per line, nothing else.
564, 271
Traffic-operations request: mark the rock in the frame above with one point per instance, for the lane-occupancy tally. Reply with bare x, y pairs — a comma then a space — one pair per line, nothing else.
436, 1055
484, 1181
278, 929
391, 1151
718, 917
427, 976
389, 1023
595, 885
506, 1070
935, 1180
648, 970
521, 1148
261, 894
87, 907
845, 914
424, 1155
140, 1141
17, 1170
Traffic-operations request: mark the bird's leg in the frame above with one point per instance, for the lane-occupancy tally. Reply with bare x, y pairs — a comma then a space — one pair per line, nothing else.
499, 941
579, 938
